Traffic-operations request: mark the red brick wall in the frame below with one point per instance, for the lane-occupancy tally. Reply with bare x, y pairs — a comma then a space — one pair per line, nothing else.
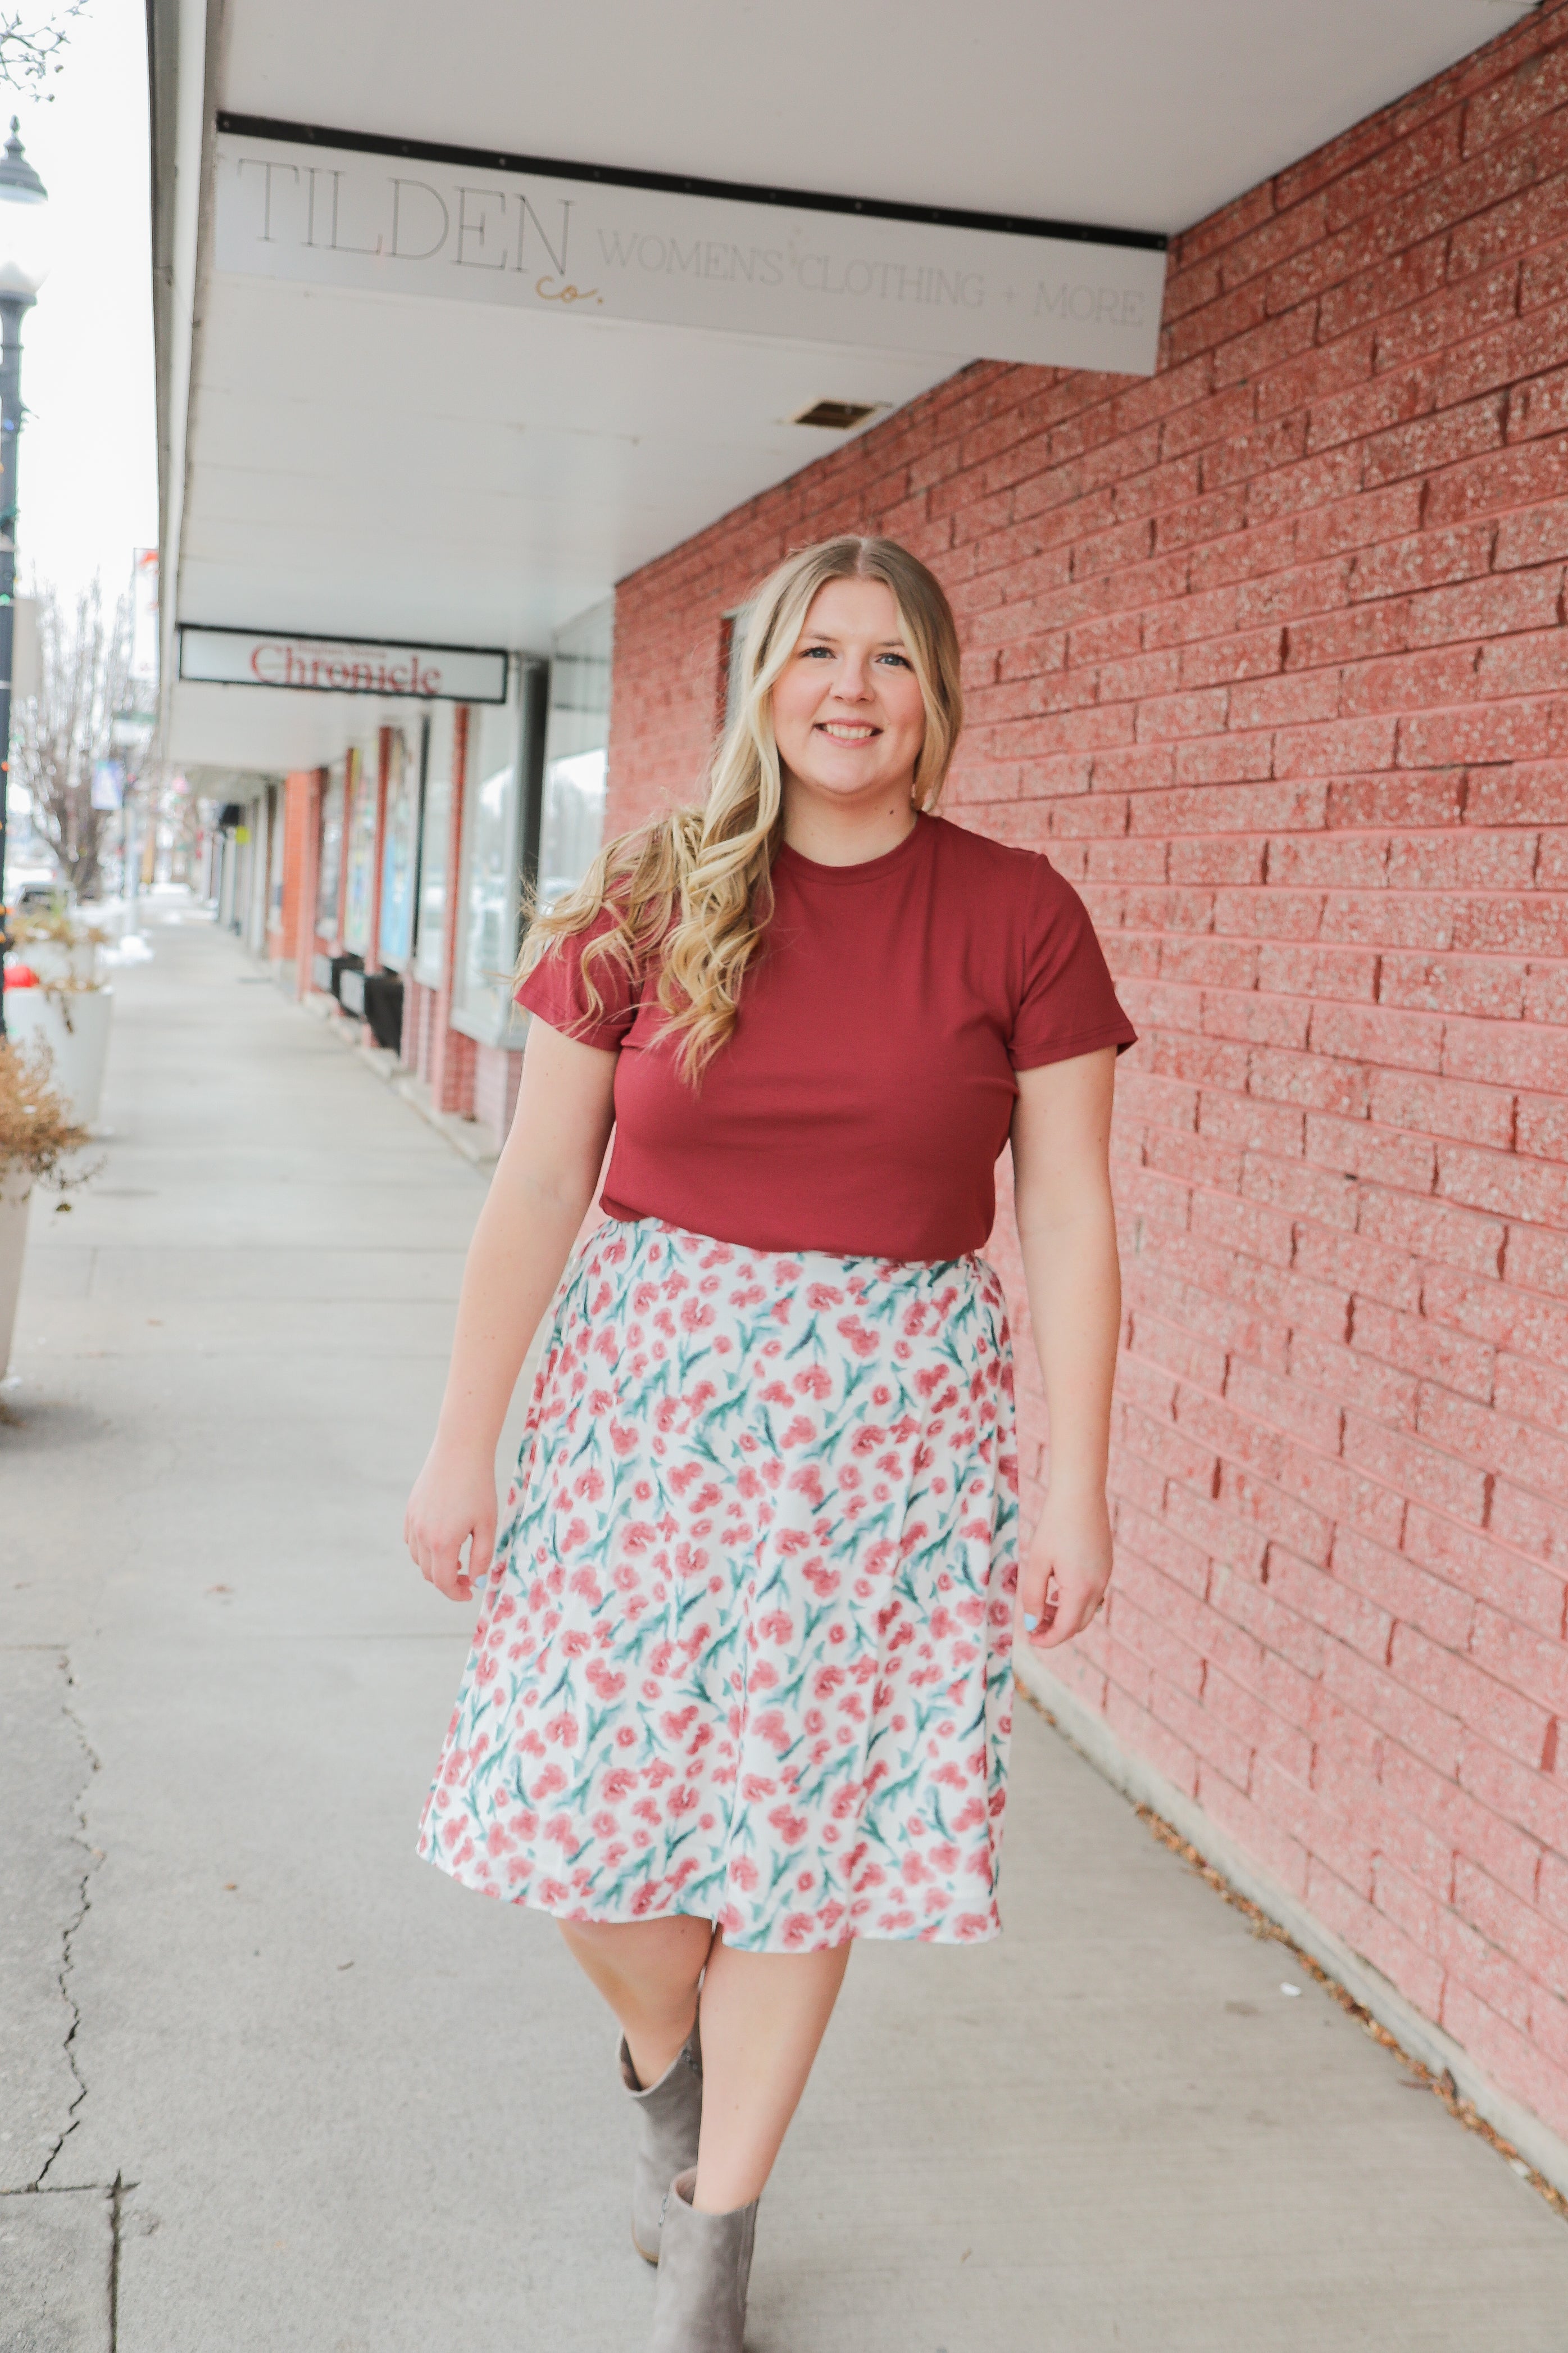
498, 1075
302, 870
300, 791
1268, 653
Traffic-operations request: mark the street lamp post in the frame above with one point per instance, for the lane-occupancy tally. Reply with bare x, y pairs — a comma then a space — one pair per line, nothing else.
23, 198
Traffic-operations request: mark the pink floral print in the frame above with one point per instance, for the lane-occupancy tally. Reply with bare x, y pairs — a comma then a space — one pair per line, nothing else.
744, 1651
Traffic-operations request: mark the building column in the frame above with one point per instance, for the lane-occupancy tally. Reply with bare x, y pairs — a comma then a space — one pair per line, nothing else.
301, 866
452, 1055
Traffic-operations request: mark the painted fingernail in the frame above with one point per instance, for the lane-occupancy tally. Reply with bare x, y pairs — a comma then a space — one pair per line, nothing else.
1030, 1622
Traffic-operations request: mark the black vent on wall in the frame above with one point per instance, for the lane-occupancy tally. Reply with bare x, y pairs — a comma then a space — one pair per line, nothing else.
838, 415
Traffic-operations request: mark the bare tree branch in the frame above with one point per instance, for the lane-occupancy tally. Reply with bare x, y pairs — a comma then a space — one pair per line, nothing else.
30, 45
84, 682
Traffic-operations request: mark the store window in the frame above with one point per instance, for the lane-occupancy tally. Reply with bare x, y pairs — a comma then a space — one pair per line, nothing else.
577, 752
400, 854
330, 873
363, 790
502, 752
430, 900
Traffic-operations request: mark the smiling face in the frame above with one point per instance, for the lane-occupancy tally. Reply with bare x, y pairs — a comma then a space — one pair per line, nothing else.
848, 715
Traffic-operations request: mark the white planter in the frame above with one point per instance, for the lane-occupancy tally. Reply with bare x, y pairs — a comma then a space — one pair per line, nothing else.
54, 963
79, 1051
15, 1192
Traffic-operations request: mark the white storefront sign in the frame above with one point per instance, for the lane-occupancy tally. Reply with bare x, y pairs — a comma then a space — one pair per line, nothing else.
608, 247
224, 657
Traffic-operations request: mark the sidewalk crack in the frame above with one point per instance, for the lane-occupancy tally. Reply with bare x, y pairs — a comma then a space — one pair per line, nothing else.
93, 1857
116, 2202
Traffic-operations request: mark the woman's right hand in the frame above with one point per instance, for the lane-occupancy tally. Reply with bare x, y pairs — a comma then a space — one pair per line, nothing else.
543, 1183
453, 1504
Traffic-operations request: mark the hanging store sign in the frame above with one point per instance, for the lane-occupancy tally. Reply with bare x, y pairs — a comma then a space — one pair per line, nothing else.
224, 657
406, 217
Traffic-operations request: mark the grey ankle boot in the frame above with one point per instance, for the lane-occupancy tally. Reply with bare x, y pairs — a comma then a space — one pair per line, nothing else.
704, 2266
669, 2113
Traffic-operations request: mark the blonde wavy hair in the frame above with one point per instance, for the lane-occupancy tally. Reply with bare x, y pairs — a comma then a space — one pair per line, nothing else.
691, 892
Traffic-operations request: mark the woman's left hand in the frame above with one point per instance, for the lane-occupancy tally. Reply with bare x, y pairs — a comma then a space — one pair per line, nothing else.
1065, 1570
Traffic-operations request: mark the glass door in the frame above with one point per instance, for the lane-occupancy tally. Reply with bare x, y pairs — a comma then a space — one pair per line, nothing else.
364, 792
577, 752
400, 851
329, 872
493, 812
436, 821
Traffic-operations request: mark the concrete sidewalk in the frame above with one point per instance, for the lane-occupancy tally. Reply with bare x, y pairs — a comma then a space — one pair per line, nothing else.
352, 2109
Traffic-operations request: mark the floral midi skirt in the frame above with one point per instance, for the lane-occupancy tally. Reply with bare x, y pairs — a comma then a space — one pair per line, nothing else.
744, 1649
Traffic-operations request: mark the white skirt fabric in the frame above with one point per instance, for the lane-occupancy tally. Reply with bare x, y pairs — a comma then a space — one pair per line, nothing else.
744, 1651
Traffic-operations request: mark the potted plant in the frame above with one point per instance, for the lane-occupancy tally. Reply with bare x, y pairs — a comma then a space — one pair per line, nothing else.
56, 996
37, 1134
60, 944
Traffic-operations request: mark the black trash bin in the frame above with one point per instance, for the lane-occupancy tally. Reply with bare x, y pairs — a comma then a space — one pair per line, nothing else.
383, 1009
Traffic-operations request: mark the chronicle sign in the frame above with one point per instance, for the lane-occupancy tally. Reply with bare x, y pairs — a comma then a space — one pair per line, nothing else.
603, 245
224, 657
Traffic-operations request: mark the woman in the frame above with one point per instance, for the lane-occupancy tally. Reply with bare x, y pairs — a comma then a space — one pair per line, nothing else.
740, 1688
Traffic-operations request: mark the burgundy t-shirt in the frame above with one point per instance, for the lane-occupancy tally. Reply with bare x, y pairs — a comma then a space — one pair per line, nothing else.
861, 1100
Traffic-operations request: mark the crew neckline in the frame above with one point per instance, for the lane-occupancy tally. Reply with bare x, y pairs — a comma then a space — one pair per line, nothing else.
864, 870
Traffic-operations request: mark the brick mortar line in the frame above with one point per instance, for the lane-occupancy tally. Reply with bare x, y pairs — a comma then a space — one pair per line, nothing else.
1410, 837
968, 475
1435, 1323
1340, 954
1147, 1559
1290, 566
1304, 409
1290, 562
1371, 892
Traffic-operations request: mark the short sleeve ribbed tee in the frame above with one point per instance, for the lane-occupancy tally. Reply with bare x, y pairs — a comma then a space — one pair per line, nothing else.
863, 1098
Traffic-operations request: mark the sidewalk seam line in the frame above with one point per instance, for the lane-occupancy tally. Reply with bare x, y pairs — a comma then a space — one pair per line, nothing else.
1179, 1823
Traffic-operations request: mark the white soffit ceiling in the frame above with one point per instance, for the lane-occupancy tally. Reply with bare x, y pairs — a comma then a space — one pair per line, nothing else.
390, 468
385, 467
1130, 114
